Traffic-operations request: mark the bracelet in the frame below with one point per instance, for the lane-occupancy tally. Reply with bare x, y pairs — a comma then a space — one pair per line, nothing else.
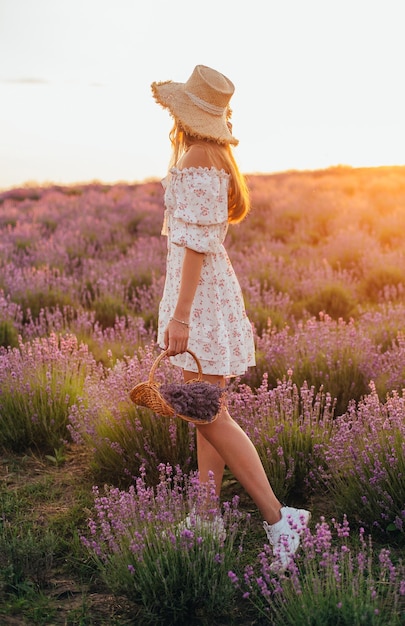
174, 319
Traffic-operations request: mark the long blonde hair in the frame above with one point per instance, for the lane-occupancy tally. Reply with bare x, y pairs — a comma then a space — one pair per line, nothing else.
221, 157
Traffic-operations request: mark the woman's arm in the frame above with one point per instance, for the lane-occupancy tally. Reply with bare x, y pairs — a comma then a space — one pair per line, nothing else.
176, 333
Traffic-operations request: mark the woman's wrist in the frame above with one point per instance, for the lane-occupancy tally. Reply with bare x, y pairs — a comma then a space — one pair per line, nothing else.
179, 321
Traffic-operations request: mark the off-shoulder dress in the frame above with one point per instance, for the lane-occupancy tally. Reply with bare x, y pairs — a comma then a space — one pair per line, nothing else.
196, 217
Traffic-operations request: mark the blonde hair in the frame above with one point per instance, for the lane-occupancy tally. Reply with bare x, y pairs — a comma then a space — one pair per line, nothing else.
221, 157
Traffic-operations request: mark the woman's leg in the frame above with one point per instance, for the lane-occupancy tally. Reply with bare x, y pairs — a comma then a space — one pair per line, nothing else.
231, 444
240, 455
208, 461
208, 458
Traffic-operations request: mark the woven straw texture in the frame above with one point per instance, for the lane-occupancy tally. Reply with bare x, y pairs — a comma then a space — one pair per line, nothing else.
201, 105
147, 393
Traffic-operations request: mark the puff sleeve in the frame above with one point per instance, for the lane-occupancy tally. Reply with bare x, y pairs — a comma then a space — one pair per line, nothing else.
199, 219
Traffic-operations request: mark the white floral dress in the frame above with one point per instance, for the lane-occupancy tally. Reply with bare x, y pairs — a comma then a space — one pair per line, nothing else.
196, 217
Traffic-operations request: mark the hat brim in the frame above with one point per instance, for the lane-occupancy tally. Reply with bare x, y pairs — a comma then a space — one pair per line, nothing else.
192, 119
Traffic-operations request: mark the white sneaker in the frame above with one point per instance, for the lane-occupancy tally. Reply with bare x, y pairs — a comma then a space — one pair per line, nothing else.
285, 535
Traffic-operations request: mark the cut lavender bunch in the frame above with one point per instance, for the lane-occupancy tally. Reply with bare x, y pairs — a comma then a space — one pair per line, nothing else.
198, 400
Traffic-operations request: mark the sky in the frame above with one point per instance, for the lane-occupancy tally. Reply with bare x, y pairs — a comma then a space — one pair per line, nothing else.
318, 83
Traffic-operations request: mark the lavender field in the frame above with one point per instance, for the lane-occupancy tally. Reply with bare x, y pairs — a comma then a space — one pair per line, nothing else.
321, 261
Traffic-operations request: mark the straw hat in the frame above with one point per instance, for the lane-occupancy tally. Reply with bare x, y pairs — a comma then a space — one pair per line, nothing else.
201, 105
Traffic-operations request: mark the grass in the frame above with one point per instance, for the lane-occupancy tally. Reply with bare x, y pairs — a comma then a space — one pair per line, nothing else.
45, 574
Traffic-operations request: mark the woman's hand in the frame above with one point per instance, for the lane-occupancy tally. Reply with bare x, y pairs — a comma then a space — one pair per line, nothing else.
176, 337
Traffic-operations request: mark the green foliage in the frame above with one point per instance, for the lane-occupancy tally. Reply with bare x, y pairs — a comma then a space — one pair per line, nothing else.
37, 419
334, 299
261, 315
34, 543
22, 245
133, 224
8, 221
49, 225
366, 466
107, 309
26, 551
378, 278
58, 457
338, 374
110, 349
135, 438
33, 302
35, 404
175, 583
338, 371
141, 280
26, 554
89, 294
31, 605
8, 334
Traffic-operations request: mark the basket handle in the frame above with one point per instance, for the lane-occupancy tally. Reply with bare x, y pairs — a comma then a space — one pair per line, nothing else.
162, 355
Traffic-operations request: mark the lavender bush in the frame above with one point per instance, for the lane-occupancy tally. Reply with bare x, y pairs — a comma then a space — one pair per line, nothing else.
39, 382
366, 464
123, 437
335, 578
334, 355
144, 550
290, 428
10, 317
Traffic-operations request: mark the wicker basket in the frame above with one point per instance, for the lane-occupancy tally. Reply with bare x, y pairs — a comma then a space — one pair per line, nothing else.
147, 393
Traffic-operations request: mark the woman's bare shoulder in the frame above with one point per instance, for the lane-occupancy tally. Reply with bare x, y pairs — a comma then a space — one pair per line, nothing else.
196, 156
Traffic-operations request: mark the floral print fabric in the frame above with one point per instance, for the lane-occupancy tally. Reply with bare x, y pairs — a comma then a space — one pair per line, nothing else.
196, 217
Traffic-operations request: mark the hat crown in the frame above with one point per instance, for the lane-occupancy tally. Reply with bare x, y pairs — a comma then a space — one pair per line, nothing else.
210, 86
199, 106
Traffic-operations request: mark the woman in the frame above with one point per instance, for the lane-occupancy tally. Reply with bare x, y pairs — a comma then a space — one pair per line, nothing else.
202, 306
